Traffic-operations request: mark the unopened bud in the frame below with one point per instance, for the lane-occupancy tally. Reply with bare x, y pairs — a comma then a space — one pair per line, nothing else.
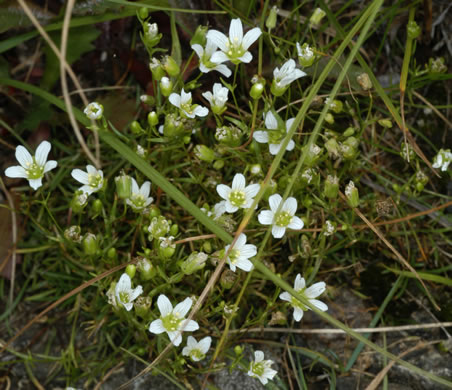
171, 67
257, 90
317, 17
79, 201
166, 86
195, 262
331, 188
131, 270
153, 118
136, 128
123, 186
413, 29
204, 153
351, 192
146, 269
312, 154
157, 69
270, 23
228, 279
89, 244
199, 37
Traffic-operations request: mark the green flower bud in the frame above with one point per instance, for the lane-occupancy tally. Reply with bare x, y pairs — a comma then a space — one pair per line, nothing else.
131, 269
413, 29
204, 153
199, 37
332, 147
407, 152
142, 306
436, 65
151, 36
143, 13
257, 90
385, 123
173, 127
174, 229
312, 154
166, 86
276, 89
351, 192
316, 17
256, 169
349, 132
329, 118
228, 279
229, 135
171, 67
335, 105
112, 255
349, 148
153, 118
238, 350
419, 187
146, 269
154, 211
159, 227
97, 207
195, 262
89, 244
73, 234
421, 178
207, 246
79, 201
147, 99
331, 188
157, 69
136, 128
364, 81
306, 55
271, 19
218, 164
123, 186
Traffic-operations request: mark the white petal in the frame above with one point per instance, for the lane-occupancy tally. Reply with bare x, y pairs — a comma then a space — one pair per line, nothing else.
198, 50
319, 304
208, 96
290, 145
185, 97
251, 37
190, 326
246, 57
204, 344
42, 152
16, 171
157, 327
223, 69
261, 136
183, 307
229, 207
135, 188
296, 224
289, 123
145, 189
297, 314
238, 183
258, 356
278, 231
87, 189
236, 31
270, 121
200, 111
219, 57
241, 241
174, 99
35, 183
50, 165
164, 305
274, 202
244, 265
252, 190
265, 217
231, 266
80, 176
136, 292
290, 205
315, 290
210, 47
92, 170
299, 284
191, 342
274, 149
248, 250
23, 156
218, 38
285, 296
175, 337
224, 191
123, 284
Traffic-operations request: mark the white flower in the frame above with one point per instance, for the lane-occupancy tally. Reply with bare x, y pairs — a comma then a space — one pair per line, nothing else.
287, 74
140, 198
205, 63
240, 253
238, 196
172, 321
183, 102
31, 167
197, 350
275, 136
309, 293
92, 179
94, 111
218, 99
260, 368
282, 219
234, 48
125, 294
305, 52
442, 159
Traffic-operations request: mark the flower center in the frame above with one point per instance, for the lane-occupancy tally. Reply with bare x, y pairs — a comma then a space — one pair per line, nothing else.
237, 198
171, 322
296, 303
283, 218
138, 201
235, 49
234, 255
94, 181
196, 354
258, 369
275, 136
124, 297
34, 171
